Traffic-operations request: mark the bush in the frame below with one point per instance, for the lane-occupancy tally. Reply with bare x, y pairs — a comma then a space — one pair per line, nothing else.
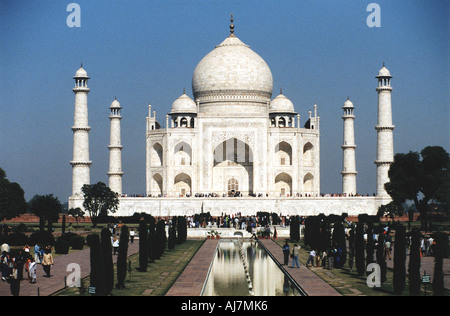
42, 238
77, 242
67, 236
17, 239
62, 246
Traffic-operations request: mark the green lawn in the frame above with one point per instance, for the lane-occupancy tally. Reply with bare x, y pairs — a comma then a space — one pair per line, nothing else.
348, 283
159, 277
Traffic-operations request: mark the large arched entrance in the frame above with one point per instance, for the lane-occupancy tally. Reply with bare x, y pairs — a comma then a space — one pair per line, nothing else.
233, 168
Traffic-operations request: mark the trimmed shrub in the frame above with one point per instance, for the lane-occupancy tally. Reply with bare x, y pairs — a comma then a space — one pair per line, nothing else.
399, 278
43, 238
77, 242
62, 246
122, 257
97, 275
108, 259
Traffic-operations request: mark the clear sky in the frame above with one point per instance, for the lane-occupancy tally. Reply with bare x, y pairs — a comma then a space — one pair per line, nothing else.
145, 52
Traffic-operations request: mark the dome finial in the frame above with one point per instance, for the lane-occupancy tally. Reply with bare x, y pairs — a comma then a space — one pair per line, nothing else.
184, 90
232, 25
281, 90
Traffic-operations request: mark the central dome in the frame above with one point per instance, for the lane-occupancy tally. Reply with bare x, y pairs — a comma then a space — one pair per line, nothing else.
232, 72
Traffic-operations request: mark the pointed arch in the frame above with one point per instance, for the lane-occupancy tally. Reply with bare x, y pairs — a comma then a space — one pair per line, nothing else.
283, 184
283, 154
308, 154
183, 154
157, 185
183, 184
308, 183
157, 155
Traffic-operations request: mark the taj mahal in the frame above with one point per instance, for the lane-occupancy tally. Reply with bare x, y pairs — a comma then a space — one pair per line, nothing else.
234, 148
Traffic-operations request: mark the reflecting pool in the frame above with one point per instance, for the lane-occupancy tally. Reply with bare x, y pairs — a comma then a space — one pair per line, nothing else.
244, 268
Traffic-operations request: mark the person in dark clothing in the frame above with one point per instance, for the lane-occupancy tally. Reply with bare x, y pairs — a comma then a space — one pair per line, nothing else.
286, 252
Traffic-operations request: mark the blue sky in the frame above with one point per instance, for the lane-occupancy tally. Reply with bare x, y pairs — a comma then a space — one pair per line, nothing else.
145, 52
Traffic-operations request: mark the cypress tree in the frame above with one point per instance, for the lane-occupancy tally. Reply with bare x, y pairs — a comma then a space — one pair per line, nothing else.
143, 246
370, 246
339, 239
161, 238
294, 228
97, 275
351, 248
122, 257
108, 259
440, 252
172, 235
414, 263
399, 278
381, 254
152, 243
359, 249
182, 229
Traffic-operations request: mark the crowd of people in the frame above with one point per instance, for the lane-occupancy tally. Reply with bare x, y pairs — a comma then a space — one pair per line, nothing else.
16, 267
239, 194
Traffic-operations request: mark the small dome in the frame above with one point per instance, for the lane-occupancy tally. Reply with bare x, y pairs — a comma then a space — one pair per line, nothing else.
384, 72
348, 104
184, 104
115, 104
81, 73
281, 104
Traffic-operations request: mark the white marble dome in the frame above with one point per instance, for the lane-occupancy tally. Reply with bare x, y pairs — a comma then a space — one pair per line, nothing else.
115, 104
384, 72
184, 104
232, 71
281, 104
81, 73
348, 104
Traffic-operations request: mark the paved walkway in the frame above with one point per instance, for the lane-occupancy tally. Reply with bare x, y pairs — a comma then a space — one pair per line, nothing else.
190, 282
310, 282
49, 286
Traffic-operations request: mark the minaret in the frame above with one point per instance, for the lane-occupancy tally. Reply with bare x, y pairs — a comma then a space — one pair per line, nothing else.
115, 149
80, 163
348, 160
385, 141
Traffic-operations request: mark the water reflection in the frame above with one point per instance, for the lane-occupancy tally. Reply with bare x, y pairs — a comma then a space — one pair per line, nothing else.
243, 268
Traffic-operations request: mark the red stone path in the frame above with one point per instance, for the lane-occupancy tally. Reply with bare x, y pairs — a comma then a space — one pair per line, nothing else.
190, 282
49, 286
310, 282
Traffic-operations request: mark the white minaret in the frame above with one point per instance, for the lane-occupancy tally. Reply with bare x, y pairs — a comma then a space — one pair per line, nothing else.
349, 160
115, 149
80, 163
385, 140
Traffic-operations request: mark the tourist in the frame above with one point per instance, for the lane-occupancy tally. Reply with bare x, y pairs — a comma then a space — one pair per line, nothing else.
286, 252
115, 245
14, 281
32, 271
47, 261
38, 253
4, 261
295, 254
312, 255
132, 234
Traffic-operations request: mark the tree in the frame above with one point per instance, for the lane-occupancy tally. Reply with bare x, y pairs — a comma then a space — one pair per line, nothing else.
381, 254
340, 241
77, 213
47, 208
97, 275
12, 198
181, 230
107, 259
440, 251
122, 257
161, 238
294, 228
359, 248
99, 200
420, 181
414, 263
399, 278
143, 246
